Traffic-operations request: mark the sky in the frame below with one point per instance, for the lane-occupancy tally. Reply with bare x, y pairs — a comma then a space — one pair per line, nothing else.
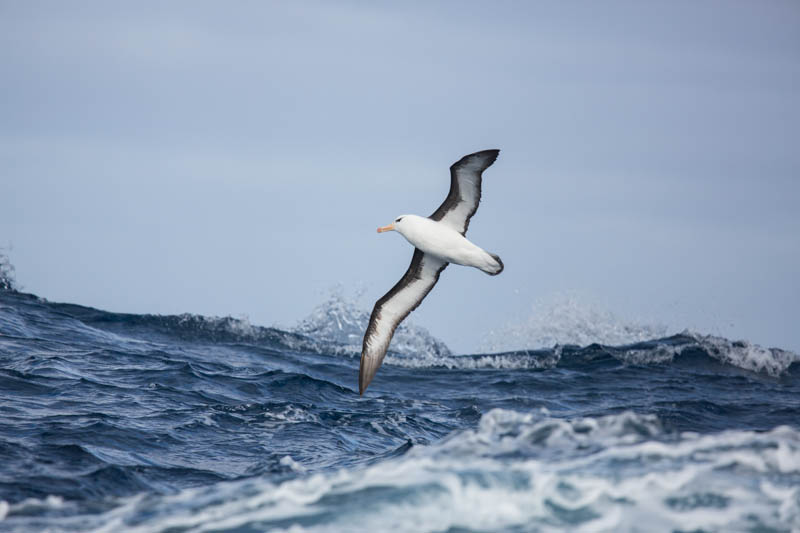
235, 158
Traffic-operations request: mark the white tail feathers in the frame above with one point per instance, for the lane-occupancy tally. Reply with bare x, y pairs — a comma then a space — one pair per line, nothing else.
495, 266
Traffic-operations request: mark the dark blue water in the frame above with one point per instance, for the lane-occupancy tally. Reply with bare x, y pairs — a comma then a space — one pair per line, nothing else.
117, 422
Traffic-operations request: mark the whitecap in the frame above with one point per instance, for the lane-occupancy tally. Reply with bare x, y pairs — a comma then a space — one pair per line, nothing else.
514, 471
746, 355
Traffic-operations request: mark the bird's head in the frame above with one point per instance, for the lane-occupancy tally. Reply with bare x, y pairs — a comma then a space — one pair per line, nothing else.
397, 225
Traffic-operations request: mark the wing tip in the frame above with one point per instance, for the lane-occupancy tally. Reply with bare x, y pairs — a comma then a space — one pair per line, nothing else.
491, 155
361, 375
366, 371
363, 381
486, 157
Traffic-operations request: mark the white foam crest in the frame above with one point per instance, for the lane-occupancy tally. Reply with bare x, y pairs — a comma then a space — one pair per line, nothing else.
566, 319
516, 360
514, 471
32, 505
502, 431
287, 414
746, 355
287, 461
741, 354
341, 322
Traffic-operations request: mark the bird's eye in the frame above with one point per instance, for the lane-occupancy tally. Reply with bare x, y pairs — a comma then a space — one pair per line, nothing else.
399, 219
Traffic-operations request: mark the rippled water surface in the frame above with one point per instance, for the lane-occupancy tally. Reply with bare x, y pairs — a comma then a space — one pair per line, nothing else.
116, 422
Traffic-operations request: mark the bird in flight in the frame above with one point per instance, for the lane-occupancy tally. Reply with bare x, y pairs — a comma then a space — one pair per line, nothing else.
438, 240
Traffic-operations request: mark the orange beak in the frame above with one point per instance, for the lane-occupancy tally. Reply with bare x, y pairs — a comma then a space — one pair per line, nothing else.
390, 227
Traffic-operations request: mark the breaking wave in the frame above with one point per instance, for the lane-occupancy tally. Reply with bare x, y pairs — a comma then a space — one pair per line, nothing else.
514, 471
338, 325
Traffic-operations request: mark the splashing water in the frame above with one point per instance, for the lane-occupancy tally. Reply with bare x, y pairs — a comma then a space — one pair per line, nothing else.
566, 319
7, 278
343, 321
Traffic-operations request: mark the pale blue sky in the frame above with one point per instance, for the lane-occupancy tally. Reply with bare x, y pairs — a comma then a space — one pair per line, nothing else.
236, 158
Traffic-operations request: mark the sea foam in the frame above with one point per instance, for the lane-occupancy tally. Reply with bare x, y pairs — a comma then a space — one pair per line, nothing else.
513, 471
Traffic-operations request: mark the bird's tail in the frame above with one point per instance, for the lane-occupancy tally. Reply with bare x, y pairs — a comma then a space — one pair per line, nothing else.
495, 267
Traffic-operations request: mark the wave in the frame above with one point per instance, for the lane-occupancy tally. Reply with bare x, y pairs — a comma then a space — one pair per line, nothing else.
334, 328
513, 471
746, 355
339, 323
687, 345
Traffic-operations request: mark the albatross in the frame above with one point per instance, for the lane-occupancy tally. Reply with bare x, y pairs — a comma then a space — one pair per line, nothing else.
438, 240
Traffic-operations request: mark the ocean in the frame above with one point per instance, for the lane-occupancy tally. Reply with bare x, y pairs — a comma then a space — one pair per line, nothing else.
116, 422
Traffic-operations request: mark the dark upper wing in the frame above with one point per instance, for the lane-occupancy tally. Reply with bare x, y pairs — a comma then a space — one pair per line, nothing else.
465, 190
389, 311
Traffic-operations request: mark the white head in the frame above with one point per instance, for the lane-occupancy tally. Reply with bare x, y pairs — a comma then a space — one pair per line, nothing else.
398, 224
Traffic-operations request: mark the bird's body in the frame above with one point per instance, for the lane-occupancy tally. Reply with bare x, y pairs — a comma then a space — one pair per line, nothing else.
438, 241
442, 241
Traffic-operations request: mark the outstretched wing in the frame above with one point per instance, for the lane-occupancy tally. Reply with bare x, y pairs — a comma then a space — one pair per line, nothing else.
465, 190
393, 308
